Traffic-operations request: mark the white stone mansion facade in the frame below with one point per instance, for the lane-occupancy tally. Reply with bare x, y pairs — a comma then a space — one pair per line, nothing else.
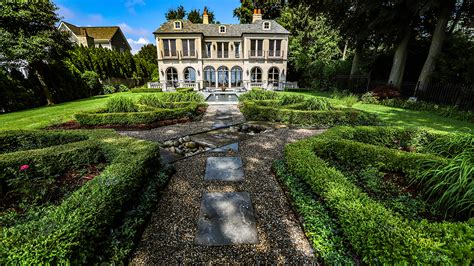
222, 56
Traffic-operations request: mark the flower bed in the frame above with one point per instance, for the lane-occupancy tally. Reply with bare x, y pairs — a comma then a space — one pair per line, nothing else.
352, 169
83, 226
150, 110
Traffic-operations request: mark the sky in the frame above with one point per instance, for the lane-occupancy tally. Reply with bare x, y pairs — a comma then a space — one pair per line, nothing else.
137, 18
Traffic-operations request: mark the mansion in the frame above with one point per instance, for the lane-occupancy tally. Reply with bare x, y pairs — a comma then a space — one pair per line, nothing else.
222, 56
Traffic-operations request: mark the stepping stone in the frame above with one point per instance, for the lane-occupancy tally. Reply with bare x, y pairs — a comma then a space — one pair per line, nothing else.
224, 169
168, 157
225, 148
226, 219
224, 117
218, 124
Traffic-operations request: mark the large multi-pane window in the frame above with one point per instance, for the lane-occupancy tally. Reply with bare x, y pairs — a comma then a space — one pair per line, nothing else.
171, 76
236, 76
256, 47
188, 47
209, 77
273, 76
189, 74
222, 50
169, 47
256, 74
223, 77
274, 48
237, 49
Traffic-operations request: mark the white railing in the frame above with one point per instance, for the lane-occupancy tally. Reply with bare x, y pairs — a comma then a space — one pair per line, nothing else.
194, 85
156, 85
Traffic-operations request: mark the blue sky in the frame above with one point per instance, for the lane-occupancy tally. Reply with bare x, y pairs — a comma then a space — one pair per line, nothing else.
137, 18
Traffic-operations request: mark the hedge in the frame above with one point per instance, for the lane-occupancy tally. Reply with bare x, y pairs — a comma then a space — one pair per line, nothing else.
11, 141
145, 90
320, 227
184, 89
252, 110
101, 117
77, 230
376, 233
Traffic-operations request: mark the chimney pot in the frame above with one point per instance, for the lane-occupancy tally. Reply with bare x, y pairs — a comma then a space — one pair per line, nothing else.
205, 17
257, 15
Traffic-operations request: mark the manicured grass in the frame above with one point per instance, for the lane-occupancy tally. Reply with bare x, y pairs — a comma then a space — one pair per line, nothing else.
403, 117
41, 117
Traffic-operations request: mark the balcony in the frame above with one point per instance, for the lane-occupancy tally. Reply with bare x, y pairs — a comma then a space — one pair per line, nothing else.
275, 53
189, 54
256, 53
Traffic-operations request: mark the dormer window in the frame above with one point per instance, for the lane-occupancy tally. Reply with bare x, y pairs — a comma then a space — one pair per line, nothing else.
222, 29
266, 25
177, 25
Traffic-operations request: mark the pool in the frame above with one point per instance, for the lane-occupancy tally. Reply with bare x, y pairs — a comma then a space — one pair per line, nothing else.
222, 97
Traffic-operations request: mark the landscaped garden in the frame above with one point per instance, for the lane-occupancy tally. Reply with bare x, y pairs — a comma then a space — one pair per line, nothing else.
74, 196
384, 194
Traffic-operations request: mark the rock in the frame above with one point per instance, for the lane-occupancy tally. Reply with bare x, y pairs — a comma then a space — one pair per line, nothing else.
190, 144
245, 127
179, 151
186, 138
175, 143
181, 140
172, 149
167, 143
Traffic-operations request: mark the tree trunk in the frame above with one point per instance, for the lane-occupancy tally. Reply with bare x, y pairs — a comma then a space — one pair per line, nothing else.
399, 61
344, 52
355, 63
437, 40
47, 93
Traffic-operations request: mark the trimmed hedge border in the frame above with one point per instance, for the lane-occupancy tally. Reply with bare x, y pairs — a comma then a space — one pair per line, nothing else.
377, 234
100, 117
320, 228
252, 110
184, 89
76, 230
145, 90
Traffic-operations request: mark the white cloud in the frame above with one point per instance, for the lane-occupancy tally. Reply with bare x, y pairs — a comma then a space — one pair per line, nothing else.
65, 12
130, 5
136, 45
133, 31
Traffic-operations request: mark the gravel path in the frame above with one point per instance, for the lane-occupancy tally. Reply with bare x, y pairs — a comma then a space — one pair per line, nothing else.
170, 235
164, 133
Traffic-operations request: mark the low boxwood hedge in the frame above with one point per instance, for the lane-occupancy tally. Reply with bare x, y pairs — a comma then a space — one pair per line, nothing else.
256, 110
78, 230
11, 141
102, 117
184, 89
145, 90
377, 234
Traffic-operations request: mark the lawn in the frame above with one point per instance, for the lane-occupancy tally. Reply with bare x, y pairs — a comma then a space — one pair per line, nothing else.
404, 117
44, 116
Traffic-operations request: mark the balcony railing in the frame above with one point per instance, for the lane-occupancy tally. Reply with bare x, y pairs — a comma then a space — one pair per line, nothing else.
222, 54
169, 54
256, 53
275, 53
189, 54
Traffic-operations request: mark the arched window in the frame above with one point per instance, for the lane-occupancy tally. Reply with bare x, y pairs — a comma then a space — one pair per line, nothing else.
223, 77
189, 74
209, 77
256, 74
172, 76
273, 76
236, 76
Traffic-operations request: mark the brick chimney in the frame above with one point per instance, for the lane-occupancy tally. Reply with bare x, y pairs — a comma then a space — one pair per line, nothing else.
205, 17
257, 15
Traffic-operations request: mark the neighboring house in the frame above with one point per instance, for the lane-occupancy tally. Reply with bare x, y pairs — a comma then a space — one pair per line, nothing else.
107, 37
224, 56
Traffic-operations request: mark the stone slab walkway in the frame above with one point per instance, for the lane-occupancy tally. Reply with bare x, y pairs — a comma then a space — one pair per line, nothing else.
224, 169
226, 219
177, 234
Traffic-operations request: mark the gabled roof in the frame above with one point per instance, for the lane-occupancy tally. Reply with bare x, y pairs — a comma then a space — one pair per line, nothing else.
232, 30
104, 33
